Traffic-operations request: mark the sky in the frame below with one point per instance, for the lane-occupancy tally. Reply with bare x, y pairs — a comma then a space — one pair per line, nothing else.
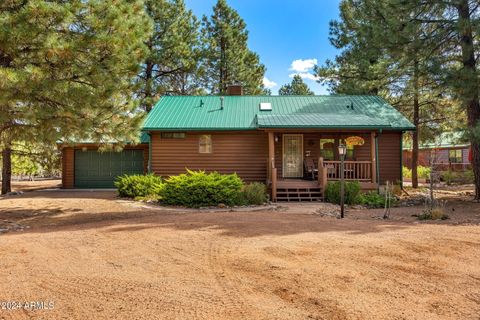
290, 36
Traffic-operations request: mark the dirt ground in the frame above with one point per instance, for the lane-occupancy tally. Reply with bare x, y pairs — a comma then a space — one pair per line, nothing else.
98, 257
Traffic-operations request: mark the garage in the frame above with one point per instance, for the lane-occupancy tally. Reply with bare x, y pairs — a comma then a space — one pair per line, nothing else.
93, 169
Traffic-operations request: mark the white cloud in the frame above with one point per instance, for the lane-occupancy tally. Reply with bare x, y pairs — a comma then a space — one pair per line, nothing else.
268, 83
304, 75
301, 65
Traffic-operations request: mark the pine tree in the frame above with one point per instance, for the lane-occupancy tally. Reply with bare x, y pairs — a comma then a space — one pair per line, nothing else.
66, 72
387, 53
296, 88
453, 26
227, 58
172, 66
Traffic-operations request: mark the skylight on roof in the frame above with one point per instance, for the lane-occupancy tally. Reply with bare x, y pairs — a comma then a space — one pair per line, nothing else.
265, 106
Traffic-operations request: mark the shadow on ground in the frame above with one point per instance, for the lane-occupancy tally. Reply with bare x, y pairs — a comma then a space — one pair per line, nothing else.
72, 211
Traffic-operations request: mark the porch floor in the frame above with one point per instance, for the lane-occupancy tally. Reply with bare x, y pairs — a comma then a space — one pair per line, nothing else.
296, 184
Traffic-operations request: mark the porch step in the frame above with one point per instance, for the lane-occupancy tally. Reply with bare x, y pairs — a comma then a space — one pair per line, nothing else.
299, 194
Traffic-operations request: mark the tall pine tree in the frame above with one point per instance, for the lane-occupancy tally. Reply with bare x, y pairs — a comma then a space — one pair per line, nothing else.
387, 53
66, 72
296, 87
227, 58
172, 65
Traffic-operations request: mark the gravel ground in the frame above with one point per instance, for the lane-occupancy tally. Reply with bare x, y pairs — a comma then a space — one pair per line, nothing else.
98, 257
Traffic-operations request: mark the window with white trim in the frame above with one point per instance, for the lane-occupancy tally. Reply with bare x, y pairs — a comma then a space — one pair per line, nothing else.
205, 144
455, 156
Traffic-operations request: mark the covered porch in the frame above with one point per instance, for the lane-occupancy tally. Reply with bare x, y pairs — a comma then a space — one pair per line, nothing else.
300, 163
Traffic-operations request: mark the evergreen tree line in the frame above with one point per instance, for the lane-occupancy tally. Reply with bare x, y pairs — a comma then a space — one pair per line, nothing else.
191, 56
421, 56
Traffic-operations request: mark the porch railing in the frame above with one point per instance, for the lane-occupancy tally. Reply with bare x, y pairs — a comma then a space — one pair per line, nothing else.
353, 170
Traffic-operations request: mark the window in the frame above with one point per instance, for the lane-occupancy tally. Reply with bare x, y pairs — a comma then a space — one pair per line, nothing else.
172, 135
455, 156
327, 149
205, 144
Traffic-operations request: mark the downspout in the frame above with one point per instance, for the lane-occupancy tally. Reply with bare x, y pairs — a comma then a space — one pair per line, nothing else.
401, 160
378, 160
149, 166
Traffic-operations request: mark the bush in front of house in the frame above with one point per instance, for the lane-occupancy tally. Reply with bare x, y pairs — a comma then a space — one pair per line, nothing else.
458, 177
139, 186
200, 189
373, 199
406, 172
352, 191
422, 172
254, 193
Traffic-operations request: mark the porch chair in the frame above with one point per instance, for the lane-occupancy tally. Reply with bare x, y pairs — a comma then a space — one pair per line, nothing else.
310, 169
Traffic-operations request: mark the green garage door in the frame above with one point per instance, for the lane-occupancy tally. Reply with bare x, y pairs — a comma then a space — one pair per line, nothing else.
95, 169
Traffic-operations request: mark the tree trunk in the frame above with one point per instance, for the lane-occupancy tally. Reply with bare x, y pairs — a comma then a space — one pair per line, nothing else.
148, 85
470, 95
416, 111
6, 170
222, 84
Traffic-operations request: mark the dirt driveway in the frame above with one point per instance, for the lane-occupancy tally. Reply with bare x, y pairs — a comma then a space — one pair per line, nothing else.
97, 257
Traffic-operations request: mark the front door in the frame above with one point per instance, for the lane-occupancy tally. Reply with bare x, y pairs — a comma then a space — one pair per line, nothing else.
292, 155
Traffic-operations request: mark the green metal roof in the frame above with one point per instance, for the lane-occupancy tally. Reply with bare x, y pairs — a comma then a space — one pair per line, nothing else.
144, 138
243, 113
319, 120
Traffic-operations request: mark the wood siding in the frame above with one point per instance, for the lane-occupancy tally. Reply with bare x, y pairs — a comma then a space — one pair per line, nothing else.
68, 162
243, 152
389, 156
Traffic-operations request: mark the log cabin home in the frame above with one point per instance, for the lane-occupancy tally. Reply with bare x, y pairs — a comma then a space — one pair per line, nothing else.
288, 142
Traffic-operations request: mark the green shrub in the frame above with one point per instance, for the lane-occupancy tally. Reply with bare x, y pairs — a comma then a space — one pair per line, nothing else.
372, 199
448, 176
469, 176
254, 193
134, 186
458, 177
407, 173
352, 190
199, 189
423, 172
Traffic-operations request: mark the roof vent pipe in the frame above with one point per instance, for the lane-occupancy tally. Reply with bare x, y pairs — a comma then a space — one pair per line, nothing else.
221, 102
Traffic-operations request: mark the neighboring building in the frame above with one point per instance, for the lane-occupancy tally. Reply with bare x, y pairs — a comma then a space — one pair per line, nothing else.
448, 152
289, 142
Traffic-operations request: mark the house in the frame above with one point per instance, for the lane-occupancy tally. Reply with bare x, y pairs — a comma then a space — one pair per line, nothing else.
289, 142
447, 151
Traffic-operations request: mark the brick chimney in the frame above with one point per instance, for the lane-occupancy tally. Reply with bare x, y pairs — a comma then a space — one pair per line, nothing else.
234, 90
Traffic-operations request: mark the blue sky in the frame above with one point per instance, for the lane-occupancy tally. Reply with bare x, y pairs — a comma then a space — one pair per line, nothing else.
284, 31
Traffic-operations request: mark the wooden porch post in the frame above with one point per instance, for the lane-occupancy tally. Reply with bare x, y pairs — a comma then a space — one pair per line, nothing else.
322, 174
272, 171
373, 156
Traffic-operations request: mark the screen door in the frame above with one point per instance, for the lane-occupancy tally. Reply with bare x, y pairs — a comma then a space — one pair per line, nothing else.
292, 155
